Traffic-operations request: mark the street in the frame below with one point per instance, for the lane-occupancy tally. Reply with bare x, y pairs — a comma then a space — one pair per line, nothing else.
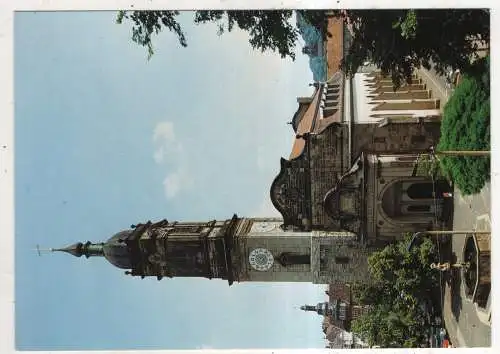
463, 323
466, 326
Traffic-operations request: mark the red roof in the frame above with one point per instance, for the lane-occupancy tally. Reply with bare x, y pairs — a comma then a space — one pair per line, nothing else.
305, 126
334, 53
339, 291
334, 45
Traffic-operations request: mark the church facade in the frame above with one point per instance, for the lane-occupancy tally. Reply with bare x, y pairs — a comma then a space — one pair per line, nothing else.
352, 164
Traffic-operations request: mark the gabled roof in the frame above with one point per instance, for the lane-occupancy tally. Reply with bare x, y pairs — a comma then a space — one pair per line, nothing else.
305, 123
304, 103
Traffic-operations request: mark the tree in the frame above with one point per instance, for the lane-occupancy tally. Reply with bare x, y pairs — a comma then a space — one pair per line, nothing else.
268, 30
466, 126
148, 23
402, 281
387, 327
407, 272
398, 41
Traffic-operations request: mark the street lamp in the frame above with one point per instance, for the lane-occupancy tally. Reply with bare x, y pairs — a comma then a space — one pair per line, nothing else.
417, 235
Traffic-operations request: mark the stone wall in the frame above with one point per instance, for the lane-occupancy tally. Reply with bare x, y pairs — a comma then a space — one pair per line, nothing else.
290, 191
394, 137
346, 261
328, 162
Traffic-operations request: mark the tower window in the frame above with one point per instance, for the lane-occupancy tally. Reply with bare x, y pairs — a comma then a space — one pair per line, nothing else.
287, 259
341, 260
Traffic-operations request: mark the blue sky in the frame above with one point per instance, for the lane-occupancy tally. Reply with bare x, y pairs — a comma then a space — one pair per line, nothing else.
104, 139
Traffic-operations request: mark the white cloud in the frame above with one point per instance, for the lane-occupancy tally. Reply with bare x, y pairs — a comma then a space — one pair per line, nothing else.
159, 155
165, 142
164, 131
172, 185
170, 153
176, 182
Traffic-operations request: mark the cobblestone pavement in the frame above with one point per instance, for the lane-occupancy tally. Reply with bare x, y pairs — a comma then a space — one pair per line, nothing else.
462, 321
465, 327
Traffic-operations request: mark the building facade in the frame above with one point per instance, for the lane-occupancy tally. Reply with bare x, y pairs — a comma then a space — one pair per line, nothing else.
352, 164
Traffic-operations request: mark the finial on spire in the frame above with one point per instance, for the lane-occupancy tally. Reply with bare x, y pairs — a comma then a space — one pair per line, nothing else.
41, 250
75, 249
79, 249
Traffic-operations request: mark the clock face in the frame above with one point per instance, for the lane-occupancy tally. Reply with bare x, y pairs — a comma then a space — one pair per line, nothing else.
265, 227
261, 259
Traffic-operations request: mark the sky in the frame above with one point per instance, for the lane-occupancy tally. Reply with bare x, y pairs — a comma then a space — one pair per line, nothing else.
104, 139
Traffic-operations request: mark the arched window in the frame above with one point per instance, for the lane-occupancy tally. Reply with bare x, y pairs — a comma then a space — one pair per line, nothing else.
422, 190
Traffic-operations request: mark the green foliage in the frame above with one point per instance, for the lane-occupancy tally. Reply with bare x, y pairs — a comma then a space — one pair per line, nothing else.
388, 327
268, 30
466, 126
401, 280
318, 19
148, 23
399, 41
406, 271
408, 25
428, 167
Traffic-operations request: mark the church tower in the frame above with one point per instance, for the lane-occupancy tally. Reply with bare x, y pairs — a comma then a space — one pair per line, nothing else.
236, 250
337, 309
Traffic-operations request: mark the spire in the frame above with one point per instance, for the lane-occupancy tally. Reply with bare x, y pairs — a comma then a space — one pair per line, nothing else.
308, 308
322, 308
75, 249
87, 249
